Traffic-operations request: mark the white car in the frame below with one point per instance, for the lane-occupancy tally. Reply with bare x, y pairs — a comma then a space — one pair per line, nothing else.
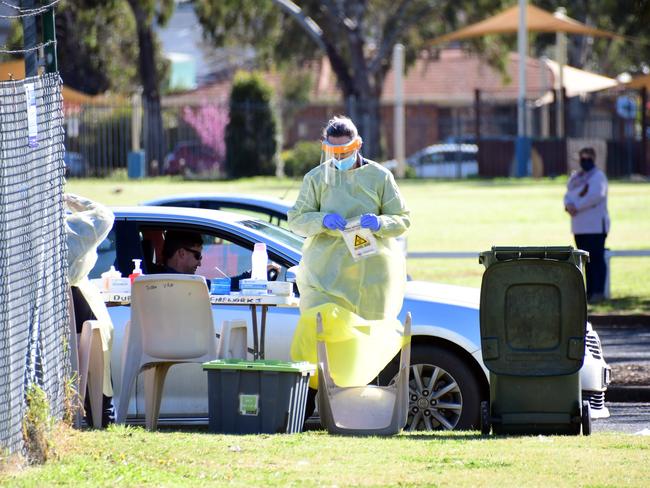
450, 160
447, 372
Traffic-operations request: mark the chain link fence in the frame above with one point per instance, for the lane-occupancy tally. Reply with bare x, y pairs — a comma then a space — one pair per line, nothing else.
33, 250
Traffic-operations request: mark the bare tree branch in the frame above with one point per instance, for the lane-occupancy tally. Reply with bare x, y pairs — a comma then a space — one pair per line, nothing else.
312, 29
399, 22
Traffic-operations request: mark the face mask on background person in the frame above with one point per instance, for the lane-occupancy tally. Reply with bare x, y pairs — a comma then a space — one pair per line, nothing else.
346, 163
586, 164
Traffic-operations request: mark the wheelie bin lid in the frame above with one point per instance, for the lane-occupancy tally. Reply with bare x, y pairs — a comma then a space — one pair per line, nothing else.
533, 311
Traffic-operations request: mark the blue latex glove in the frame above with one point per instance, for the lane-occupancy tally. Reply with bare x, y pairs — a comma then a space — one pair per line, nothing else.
334, 221
370, 221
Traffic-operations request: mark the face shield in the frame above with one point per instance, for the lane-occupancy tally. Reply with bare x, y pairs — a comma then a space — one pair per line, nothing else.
339, 158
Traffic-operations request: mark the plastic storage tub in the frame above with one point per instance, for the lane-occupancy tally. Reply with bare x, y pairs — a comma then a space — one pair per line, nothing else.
533, 318
255, 397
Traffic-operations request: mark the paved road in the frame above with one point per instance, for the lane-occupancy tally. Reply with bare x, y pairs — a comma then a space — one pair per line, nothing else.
624, 417
629, 345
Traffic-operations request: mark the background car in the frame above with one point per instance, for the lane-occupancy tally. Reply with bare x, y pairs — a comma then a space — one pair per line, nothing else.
450, 160
270, 209
448, 379
192, 158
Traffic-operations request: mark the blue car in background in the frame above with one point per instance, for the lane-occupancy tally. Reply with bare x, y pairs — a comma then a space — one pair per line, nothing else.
448, 378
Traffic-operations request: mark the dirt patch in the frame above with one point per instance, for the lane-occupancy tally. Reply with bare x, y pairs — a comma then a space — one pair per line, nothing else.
631, 374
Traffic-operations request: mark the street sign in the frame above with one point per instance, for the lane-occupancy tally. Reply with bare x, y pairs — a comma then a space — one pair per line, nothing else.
626, 107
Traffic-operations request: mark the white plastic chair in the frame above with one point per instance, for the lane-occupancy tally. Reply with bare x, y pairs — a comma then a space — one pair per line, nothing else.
87, 359
171, 322
233, 340
363, 410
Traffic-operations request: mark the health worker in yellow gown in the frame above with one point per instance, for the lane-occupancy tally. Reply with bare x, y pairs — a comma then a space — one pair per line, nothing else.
346, 186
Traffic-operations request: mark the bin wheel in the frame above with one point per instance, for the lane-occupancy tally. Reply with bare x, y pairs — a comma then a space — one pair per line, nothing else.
485, 418
586, 418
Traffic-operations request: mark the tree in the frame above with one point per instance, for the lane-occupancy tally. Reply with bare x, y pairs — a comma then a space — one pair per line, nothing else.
357, 37
607, 56
251, 133
148, 14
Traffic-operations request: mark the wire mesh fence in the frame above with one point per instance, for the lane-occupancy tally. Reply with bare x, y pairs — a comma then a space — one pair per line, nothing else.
33, 264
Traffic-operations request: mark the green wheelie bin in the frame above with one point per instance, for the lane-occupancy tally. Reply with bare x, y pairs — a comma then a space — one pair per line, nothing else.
533, 317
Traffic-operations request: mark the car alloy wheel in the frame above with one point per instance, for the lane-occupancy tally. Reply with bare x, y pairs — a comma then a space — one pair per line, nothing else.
435, 399
444, 392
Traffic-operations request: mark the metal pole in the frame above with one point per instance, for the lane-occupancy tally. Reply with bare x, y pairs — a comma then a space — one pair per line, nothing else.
644, 168
561, 58
523, 143
398, 110
49, 35
30, 39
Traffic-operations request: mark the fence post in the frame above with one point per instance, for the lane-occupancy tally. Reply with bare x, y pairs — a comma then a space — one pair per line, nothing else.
608, 256
644, 167
29, 39
49, 35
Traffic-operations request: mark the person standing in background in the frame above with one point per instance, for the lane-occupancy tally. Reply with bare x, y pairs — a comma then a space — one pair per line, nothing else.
586, 202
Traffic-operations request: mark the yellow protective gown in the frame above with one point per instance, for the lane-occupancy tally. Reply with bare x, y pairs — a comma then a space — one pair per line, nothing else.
371, 287
357, 349
87, 225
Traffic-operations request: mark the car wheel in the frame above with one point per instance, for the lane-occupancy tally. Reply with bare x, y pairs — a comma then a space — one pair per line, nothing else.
444, 393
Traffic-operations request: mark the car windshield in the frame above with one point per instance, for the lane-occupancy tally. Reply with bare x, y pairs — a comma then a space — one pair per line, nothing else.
289, 239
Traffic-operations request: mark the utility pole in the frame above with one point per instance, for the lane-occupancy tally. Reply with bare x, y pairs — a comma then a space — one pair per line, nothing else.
522, 146
398, 109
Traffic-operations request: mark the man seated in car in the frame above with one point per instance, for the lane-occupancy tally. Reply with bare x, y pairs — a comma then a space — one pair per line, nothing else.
182, 253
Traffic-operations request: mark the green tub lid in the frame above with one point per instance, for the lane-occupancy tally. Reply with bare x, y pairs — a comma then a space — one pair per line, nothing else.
261, 365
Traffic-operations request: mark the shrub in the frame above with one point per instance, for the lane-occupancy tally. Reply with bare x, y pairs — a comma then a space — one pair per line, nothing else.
303, 157
37, 425
252, 131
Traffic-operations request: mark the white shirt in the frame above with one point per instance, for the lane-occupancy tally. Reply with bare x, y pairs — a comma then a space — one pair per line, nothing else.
587, 191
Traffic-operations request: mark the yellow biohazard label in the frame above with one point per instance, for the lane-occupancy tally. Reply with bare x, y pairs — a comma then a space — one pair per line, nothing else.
359, 241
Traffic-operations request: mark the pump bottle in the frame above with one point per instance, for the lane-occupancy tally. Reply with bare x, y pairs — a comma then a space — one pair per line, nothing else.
136, 270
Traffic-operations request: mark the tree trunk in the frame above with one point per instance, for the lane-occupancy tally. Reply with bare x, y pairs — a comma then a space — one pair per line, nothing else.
154, 143
365, 112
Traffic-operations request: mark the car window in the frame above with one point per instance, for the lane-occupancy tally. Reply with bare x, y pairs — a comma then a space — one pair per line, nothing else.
289, 239
221, 256
106, 254
256, 213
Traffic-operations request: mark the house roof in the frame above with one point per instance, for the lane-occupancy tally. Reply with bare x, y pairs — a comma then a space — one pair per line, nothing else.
449, 79
16, 68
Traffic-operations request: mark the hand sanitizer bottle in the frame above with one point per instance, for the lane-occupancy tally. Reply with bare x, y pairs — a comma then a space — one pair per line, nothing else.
136, 270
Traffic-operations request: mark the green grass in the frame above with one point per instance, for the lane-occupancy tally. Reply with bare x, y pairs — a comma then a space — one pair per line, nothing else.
459, 216
123, 456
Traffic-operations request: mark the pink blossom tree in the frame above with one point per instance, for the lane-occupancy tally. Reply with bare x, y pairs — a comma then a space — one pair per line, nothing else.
209, 121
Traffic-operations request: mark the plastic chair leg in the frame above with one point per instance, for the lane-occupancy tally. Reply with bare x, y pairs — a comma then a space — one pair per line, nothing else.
233, 343
96, 378
154, 380
131, 355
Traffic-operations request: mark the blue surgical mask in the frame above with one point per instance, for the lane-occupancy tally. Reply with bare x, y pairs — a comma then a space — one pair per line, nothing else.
346, 163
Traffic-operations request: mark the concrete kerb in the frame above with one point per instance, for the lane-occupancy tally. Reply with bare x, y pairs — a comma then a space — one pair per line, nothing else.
628, 394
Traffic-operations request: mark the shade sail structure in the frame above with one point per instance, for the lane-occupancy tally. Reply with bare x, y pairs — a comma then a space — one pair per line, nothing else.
639, 82
537, 19
576, 82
